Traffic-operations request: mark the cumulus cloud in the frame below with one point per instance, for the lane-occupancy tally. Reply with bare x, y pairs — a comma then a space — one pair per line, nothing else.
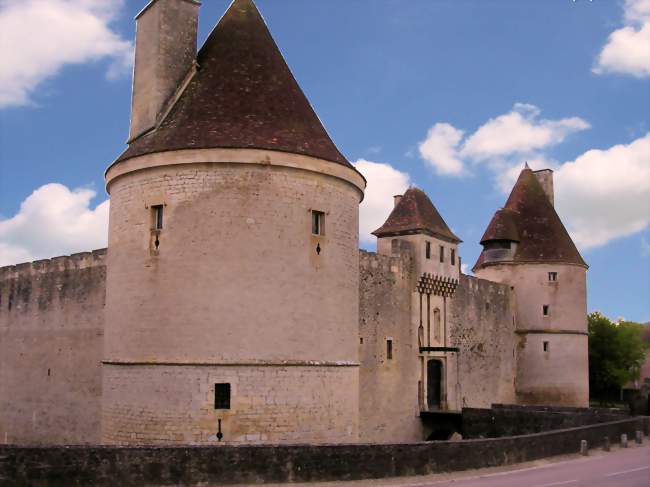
53, 221
39, 37
500, 142
520, 131
384, 181
605, 194
440, 149
601, 195
627, 50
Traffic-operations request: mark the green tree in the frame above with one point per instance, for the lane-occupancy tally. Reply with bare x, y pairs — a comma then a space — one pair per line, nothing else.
616, 353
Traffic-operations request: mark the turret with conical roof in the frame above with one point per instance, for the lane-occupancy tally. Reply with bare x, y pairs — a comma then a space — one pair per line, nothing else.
415, 224
527, 246
230, 199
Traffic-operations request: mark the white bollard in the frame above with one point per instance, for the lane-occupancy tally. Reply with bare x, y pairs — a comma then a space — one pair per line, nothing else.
623, 440
639, 437
584, 448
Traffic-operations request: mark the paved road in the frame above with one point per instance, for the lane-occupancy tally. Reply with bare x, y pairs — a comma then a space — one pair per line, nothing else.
621, 467
629, 468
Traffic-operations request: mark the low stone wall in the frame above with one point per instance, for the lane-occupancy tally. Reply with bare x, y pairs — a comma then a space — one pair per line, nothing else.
511, 420
158, 466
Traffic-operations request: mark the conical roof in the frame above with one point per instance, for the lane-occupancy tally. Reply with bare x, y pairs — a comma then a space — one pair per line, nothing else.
415, 213
530, 219
242, 96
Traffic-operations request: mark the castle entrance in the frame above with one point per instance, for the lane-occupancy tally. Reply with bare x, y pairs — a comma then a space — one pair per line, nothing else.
434, 384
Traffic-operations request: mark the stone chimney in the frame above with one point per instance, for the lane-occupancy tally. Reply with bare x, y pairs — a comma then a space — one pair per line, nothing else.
165, 52
397, 198
545, 178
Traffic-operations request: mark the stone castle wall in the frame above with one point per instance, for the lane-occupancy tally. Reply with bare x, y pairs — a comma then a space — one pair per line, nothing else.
388, 392
482, 326
51, 335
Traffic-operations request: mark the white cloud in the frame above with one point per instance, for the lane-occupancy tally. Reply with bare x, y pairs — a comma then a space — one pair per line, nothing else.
53, 221
601, 196
440, 149
384, 181
627, 50
39, 37
520, 131
605, 194
500, 143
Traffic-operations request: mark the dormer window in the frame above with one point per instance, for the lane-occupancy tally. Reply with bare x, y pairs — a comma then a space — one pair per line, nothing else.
317, 222
427, 250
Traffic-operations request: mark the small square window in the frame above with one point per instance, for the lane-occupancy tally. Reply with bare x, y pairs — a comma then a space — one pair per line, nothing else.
317, 222
428, 250
389, 349
552, 276
157, 217
222, 396
453, 256
546, 347
442, 254
546, 310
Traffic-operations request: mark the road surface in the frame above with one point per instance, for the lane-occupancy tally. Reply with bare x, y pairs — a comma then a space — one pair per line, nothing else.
626, 467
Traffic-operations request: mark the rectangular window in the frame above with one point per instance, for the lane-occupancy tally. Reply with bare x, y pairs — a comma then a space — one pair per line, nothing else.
317, 222
222, 396
157, 213
546, 310
552, 276
546, 346
389, 349
428, 250
442, 254
453, 256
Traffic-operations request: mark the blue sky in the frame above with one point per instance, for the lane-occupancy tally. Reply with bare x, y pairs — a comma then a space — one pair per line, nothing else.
450, 95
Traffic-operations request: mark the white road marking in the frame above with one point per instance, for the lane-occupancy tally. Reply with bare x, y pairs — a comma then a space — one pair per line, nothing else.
557, 483
626, 471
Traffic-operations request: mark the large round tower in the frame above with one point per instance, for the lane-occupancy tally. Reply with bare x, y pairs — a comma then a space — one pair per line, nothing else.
232, 283
526, 246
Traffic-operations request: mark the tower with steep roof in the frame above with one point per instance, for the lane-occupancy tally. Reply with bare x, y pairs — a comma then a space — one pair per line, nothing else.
416, 223
232, 282
526, 246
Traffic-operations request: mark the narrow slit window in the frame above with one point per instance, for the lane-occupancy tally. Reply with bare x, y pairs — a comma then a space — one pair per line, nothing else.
453, 256
222, 396
317, 222
546, 310
389, 349
157, 211
428, 250
545, 346
552, 276
442, 254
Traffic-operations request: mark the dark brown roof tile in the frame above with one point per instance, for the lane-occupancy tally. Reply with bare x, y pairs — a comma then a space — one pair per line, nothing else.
529, 218
415, 213
242, 96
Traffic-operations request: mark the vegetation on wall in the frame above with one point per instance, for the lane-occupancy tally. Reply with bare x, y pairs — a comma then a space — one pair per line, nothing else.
616, 353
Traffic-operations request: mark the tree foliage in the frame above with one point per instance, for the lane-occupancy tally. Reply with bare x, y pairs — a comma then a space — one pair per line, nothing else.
616, 353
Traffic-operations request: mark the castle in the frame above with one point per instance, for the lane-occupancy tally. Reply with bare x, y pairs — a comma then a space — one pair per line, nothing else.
233, 304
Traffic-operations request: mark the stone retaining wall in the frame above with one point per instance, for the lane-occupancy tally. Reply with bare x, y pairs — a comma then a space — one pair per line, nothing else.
510, 420
139, 466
